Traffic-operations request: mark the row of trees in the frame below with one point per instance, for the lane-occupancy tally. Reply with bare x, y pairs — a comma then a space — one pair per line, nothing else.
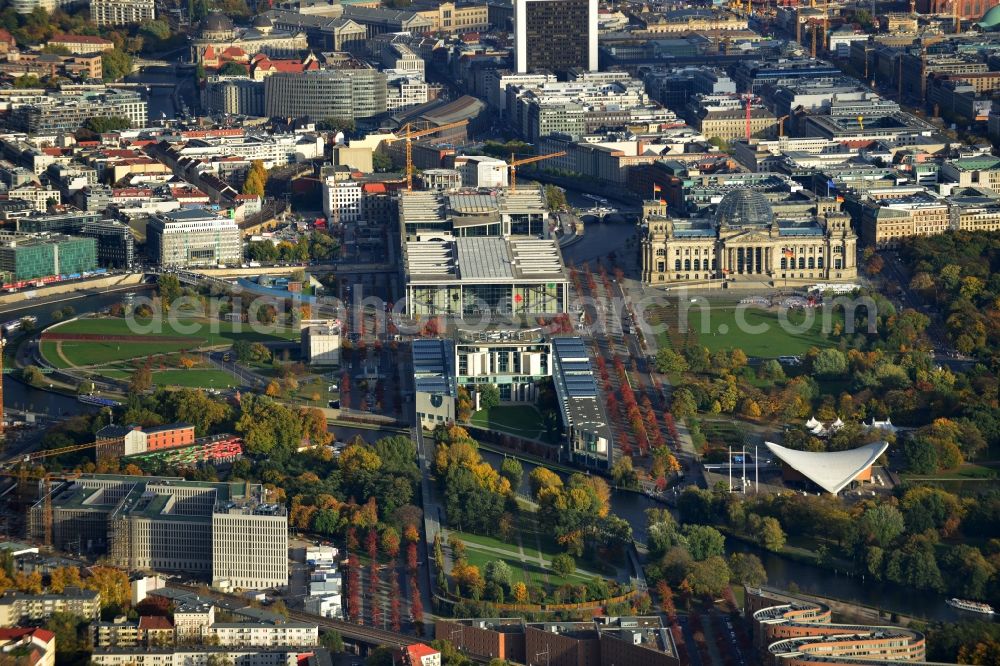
317, 246
897, 539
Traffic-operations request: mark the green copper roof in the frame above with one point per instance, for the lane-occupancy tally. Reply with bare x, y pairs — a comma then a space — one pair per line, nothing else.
991, 19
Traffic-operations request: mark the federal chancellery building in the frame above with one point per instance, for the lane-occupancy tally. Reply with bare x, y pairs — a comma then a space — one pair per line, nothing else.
744, 241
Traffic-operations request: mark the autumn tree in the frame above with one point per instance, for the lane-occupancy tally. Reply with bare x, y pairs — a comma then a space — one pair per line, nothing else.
256, 179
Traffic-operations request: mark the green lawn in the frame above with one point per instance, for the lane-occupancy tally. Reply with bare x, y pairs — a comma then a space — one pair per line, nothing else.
529, 570
201, 332
194, 378
523, 420
760, 333
212, 331
97, 353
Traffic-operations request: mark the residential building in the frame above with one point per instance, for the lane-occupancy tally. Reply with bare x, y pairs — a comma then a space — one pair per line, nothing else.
334, 93
35, 646
31, 256
193, 237
342, 198
321, 343
115, 242
40, 197
122, 12
50, 64
404, 91
69, 110
220, 531
555, 35
192, 618
419, 654
234, 96
17, 607
82, 43
204, 655
262, 634
745, 241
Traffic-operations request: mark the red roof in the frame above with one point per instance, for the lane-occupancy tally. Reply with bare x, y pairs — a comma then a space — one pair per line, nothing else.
5, 36
418, 651
155, 622
374, 188
234, 52
80, 39
17, 633
209, 52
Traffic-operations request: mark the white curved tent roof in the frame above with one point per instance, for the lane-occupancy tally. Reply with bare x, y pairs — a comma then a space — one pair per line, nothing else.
830, 470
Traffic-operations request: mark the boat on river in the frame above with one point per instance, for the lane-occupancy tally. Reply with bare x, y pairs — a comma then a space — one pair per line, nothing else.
971, 606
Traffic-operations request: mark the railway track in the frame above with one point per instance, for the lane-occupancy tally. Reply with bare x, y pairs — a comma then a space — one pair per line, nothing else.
351, 632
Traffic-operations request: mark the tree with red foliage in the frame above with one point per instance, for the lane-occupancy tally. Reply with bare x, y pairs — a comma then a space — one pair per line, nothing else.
351, 542
416, 606
411, 557
667, 600
153, 605
371, 545
394, 602
353, 589
373, 600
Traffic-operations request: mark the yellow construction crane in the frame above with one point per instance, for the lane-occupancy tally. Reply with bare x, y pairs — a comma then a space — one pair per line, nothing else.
781, 126
409, 133
861, 122
514, 163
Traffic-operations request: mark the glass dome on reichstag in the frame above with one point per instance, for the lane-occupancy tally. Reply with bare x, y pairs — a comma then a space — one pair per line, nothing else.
744, 208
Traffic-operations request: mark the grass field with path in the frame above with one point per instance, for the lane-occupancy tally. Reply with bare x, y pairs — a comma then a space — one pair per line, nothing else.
201, 332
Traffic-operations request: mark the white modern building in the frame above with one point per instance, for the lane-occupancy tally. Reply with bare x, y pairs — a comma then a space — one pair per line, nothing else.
341, 200
122, 12
321, 343
220, 531
193, 237
482, 171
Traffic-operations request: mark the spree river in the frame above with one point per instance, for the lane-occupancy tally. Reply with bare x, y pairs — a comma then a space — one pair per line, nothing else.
631, 506
17, 394
783, 572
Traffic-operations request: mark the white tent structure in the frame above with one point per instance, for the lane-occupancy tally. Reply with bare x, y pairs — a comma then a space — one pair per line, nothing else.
881, 425
830, 470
